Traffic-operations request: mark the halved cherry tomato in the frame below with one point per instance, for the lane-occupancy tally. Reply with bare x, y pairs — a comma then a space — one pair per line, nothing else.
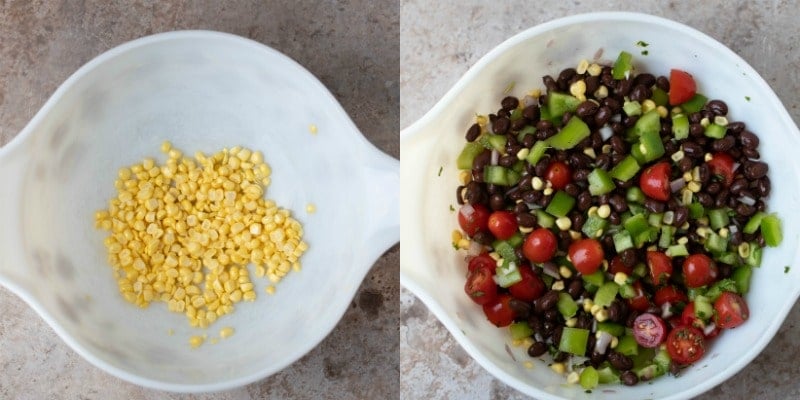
669, 294
649, 330
686, 344
503, 224
721, 165
482, 260
499, 312
660, 266
559, 174
690, 319
731, 310
473, 218
617, 265
682, 87
639, 301
699, 270
530, 288
654, 181
586, 255
480, 286
540, 245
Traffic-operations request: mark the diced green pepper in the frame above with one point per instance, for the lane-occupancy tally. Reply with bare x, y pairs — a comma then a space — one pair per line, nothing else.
647, 372
589, 378
622, 241
594, 226
622, 66
600, 182
560, 103
754, 222
703, 308
660, 97
649, 147
573, 340
506, 251
636, 224
627, 291
771, 230
694, 104
718, 218
666, 236
727, 257
647, 236
495, 175
496, 142
544, 219
715, 131
722, 285
632, 108
716, 243
527, 130
754, 258
520, 330
626, 169
612, 328
597, 278
640, 270
680, 126
741, 276
507, 274
655, 219
570, 135
627, 346
561, 204
566, 305
537, 151
635, 195
662, 361
696, 210
468, 154
606, 294
677, 250
516, 114
649, 122
607, 375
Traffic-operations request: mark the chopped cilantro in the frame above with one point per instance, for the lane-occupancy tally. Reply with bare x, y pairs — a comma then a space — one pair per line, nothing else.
786, 269
440, 171
509, 88
645, 52
452, 208
747, 98
455, 246
642, 43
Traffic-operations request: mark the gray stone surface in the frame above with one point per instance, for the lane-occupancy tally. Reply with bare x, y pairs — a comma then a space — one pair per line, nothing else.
350, 45
439, 43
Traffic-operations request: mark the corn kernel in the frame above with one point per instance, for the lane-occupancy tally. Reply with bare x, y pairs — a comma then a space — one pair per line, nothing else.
558, 368
594, 69
563, 223
604, 211
583, 66
196, 341
573, 377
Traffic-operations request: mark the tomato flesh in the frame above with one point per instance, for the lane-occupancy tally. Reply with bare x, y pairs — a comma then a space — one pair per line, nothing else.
586, 255
654, 181
649, 330
482, 260
660, 266
473, 218
669, 294
721, 165
559, 174
731, 310
480, 286
540, 245
639, 301
699, 270
686, 344
530, 288
499, 312
682, 87
502, 224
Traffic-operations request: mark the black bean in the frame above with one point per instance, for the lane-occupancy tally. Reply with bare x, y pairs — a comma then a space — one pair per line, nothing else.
552, 315
528, 141
584, 201
560, 356
526, 220
738, 185
620, 361
704, 199
696, 130
630, 121
745, 210
670, 147
521, 308
755, 169
629, 378
640, 93
736, 127
580, 175
685, 164
531, 113
607, 79
473, 132
597, 358
722, 198
518, 124
546, 302
748, 139
611, 103
484, 238
578, 220
603, 161
592, 83
507, 160
475, 193
681, 215
584, 321
567, 74
520, 208
482, 159
564, 239
654, 206
602, 115
617, 145
736, 238
704, 173
575, 288
587, 109
717, 107
618, 203
500, 125
724, 144
663, 83
629, 257
623, 87
618, 311
509, 103
550, 83
692, 150
615, 219
762, 186
537, 349
751, 153
497, 201
645, 79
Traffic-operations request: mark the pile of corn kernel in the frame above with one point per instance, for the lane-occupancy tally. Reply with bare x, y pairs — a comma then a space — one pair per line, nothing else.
184, 232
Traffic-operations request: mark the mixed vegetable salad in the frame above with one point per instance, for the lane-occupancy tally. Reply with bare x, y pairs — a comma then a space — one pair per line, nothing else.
613, 221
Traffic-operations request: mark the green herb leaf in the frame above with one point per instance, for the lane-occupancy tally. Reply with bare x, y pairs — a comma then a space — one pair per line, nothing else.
440, 171
786, 269
642, 43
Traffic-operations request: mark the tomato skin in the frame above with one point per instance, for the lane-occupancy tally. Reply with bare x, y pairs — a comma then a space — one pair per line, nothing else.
686, 344
540, 245
654, 181
721, 164
530, 288
689, 319
660, 266
482, 260
649, 330
731, 310
477, 221
480, 286
616, 265
586, 255
559, 174
699, 270
639, 302
682, 87
503, 224
669, 294
499, 312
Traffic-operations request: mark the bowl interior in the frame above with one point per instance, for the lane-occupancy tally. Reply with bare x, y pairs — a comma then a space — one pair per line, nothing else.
203, 92
435, 272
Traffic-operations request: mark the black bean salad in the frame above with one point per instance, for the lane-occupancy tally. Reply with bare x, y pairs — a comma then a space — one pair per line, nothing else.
613, 221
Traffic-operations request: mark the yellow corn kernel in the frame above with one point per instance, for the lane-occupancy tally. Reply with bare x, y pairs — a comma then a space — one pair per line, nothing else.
226, 332
196, 341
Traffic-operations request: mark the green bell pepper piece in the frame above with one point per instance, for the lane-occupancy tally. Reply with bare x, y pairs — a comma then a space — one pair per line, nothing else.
649, 122
754, 222
566, 305
537, 151
507, 274
597, 278
606, 294
600, 182
627, 345
718, 218
660, 97
694, 104
649, 147
622, 241
632, 108
544, 219
560, 103
634, 195
589, 378
626, 169
520, 330
771, 230
612, 328
622, 66
561, 204
677, 250
573, 340
715, 131
570, 135
594, 226
680, 126
468, 154
741, 276
754, 258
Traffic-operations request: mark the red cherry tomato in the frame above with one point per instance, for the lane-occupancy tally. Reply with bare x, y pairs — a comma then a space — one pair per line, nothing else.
530, 288
540, 245
686, 344
669, 294
689, 318
480, 286
482, 260
649, 330
503, 224
654, 181
617, 265
559, 174
586, 255
473, 218
731, 310
499, 312
639, 301
699, 270
721, 165
682, 87
660, 266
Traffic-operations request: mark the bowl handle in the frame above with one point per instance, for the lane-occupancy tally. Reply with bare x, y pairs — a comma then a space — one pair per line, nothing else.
13, 164
382, 186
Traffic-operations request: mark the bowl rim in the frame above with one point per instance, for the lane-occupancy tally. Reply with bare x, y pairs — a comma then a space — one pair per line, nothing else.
417, 128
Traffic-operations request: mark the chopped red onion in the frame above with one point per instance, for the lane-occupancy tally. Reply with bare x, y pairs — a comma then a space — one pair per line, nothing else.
467, 210
666, 311
603, 340
606, 132
551, 269
529, 101
475, 248
677, 185
495, 157
747, 200
709, 328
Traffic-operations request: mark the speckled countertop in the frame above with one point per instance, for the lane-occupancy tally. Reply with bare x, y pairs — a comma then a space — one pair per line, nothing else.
438, 44
350, 45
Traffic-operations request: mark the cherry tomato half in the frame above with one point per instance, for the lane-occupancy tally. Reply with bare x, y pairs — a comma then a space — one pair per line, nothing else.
559, 174
682, 87
731, 310
689, 318
686, 344
721, 165
639, 301
616, 265
473, 218
669, 294
540, 245
499, 312
654, 181
530, 288
649, 330
586, 255
503, 224
480, 286
660, 266
482, 260
699, 270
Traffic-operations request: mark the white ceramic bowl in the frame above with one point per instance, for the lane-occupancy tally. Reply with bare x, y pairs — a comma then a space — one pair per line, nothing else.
203, 91
434, 272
